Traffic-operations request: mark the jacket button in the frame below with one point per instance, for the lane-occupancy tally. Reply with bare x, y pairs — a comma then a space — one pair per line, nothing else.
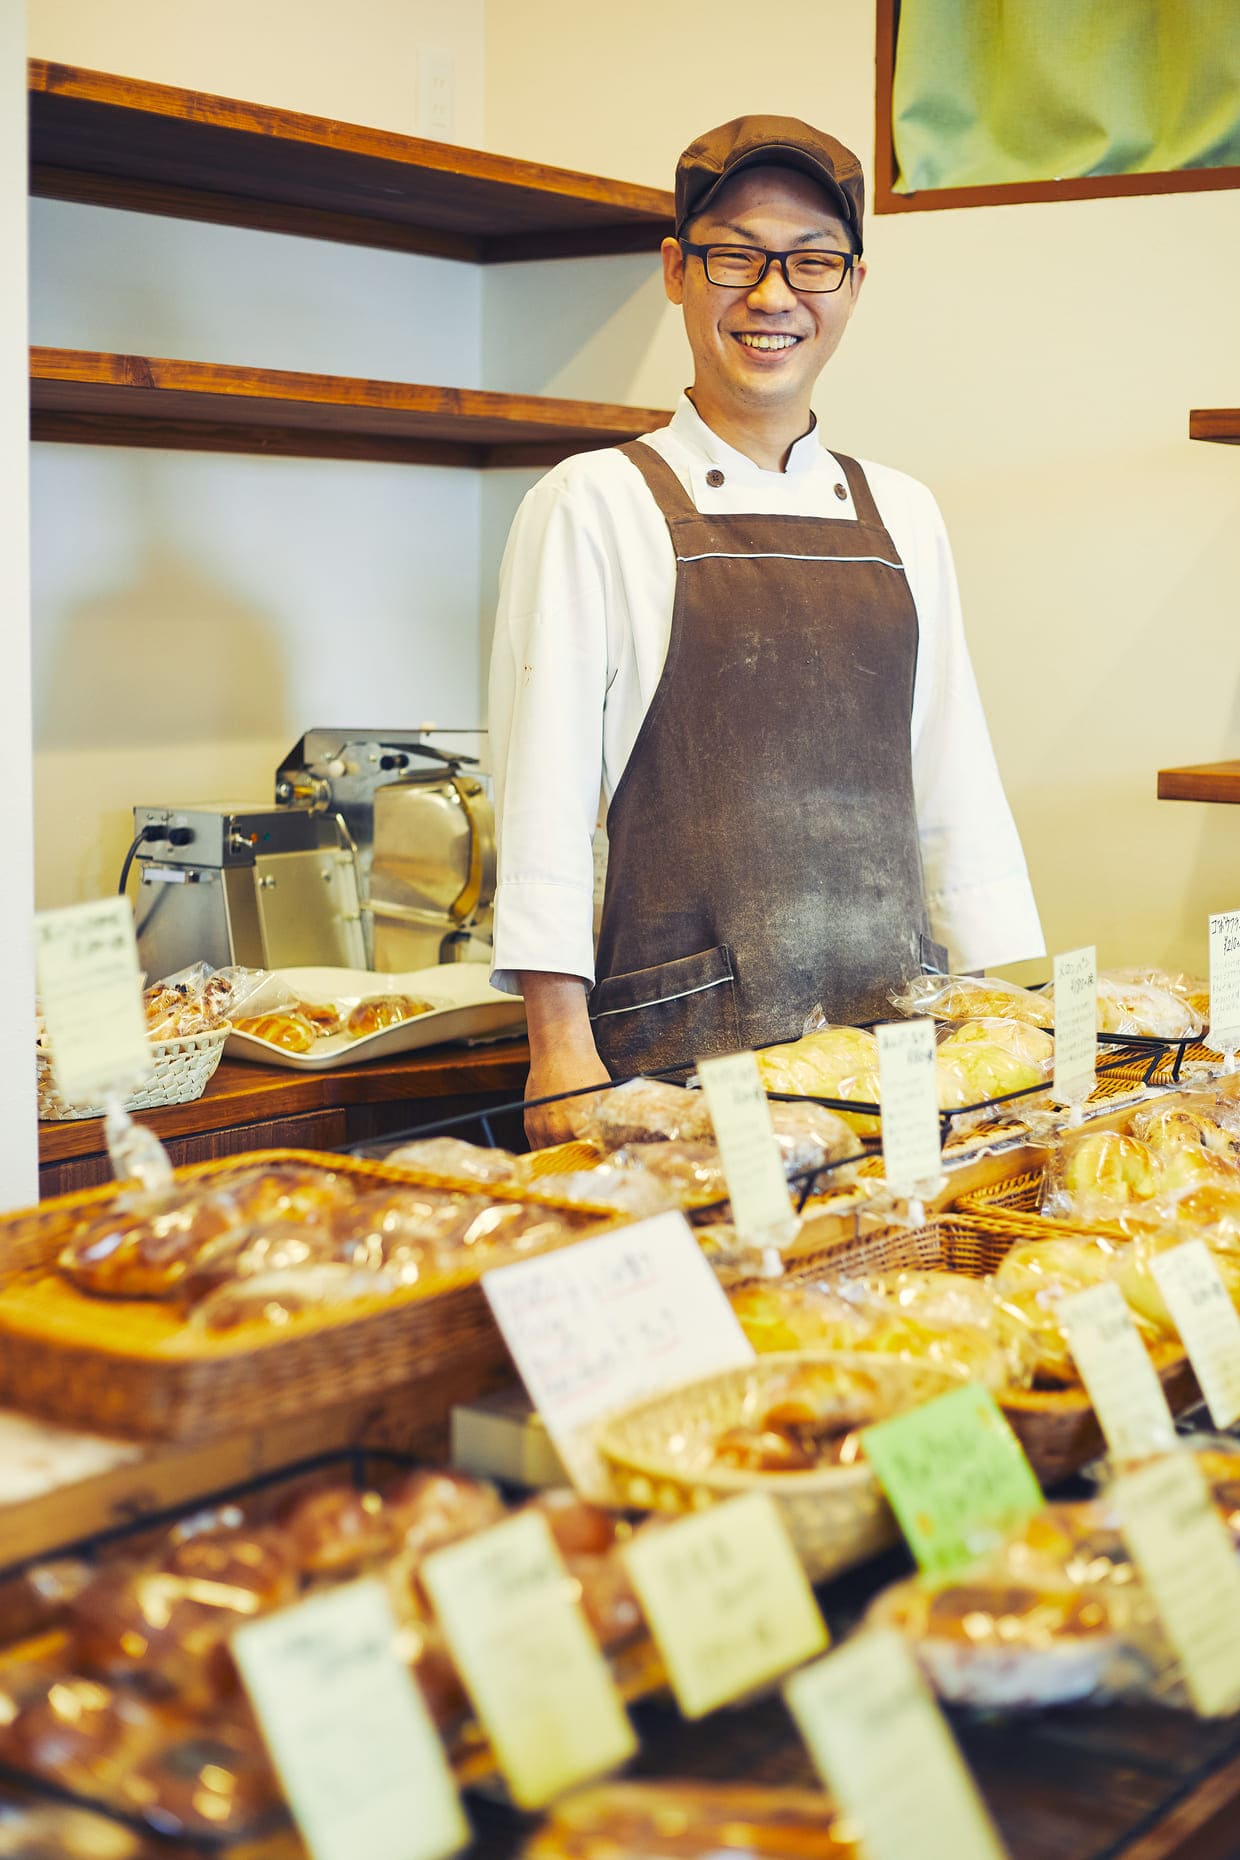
841, 492
714, 479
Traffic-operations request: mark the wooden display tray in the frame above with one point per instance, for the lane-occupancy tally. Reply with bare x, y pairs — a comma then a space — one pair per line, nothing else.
131, 1367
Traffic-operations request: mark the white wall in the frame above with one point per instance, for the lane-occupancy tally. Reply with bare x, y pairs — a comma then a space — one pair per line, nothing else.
1035, 364
194, 613
18, 1156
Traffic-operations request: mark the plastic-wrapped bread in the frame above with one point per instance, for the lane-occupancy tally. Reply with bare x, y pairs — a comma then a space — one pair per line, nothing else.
835, 1062
648, 1111
970, 997
1142, 1009
691, 1821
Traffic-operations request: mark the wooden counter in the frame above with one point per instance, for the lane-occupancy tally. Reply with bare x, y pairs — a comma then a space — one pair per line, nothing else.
250, 1107
1201, 781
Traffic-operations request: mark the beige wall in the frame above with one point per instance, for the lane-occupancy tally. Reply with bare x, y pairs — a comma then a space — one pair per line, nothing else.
195, 613
357, 63
1035, 364
18, 1166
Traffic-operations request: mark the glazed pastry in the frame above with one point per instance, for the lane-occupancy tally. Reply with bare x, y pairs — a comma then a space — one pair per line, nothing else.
141, 1247
243, 1254
339, 1531
427, 1511
259, 1559
607, 1598
994, 1640
80, 1732
288, 1030
214, 1781
54, 1831
379, 1011
276, 1298
579, 1528
326, 1017
284, 1191
690, 1821
138, 1624
756, 1449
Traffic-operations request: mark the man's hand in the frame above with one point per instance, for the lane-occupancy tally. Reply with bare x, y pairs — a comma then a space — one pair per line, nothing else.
563, 1056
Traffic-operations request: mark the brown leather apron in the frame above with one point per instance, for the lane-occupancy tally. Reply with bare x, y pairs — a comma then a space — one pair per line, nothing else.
763, 837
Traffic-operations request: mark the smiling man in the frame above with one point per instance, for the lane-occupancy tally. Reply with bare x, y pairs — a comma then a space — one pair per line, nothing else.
753, 647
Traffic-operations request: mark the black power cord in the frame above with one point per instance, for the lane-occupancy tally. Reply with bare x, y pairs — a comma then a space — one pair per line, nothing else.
150, 834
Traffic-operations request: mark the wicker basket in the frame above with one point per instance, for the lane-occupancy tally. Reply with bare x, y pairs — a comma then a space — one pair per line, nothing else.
181, 1070
659, 1454
131, 1367
1057, 1427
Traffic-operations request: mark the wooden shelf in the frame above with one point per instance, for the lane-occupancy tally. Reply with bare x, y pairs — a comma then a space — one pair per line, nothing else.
116, 142
84, 398
1218, 423
1202, 781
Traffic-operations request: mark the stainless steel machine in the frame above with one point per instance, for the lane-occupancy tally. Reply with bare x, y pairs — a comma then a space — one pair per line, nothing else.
378, 852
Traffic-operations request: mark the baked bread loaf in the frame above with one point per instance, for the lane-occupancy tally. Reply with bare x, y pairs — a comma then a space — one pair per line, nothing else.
379, 1011
690, 1821
288, 1030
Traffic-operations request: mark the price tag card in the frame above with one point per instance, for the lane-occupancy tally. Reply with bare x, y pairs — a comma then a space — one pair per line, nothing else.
541, 1688
955, 1475
348, 1731
1224, 1031
1185, 1555
90, 989
727, 1601
1207, 1321
1076, 1026
596, 1326
912, 1144
1119, 1377
883, 1749
741, 1113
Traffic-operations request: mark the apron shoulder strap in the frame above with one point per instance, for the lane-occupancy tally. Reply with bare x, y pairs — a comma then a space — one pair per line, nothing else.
661, 481
862, 496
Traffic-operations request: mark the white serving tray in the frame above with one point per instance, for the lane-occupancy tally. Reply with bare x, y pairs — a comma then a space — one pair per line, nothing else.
468, 1009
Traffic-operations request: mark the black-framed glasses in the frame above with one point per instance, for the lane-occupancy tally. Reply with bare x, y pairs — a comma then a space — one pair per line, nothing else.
743, 267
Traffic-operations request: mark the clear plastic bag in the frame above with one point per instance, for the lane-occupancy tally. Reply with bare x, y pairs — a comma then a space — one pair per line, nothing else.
947, 1319
1054, 1616
971, 997
1141, 1009
199, 998
828, 1062
1036, 1275
647, 1111
456, 1160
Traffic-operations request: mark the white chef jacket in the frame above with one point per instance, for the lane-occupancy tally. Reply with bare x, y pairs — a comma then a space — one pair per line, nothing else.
587, 587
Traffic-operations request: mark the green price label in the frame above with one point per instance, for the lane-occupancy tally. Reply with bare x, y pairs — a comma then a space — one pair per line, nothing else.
955, 1475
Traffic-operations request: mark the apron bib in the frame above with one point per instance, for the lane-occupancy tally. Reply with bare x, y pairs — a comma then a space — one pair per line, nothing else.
764, 853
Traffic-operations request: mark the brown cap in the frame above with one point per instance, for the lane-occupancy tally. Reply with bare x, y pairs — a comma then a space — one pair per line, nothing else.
782, 140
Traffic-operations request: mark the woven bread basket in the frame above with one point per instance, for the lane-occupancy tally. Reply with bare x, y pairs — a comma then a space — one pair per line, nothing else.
1057, 1427
659, 1453
131, 1367
181, 1069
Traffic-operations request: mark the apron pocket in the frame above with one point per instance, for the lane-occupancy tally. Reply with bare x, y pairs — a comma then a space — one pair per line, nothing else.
668, 1015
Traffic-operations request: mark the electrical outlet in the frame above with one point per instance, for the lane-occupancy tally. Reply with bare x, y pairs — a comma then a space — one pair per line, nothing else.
435, 94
